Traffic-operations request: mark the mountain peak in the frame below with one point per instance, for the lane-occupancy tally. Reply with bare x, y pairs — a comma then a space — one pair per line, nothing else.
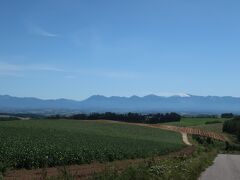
150, 96
134, 97
182, 95
96, 97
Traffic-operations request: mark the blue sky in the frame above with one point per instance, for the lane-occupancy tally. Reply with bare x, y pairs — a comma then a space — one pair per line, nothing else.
77, 48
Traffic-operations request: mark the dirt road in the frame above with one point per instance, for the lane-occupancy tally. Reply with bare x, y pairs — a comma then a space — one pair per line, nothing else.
225, 167
185, 139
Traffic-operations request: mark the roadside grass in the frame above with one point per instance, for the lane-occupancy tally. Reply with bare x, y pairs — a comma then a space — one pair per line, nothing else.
63, 174
3, 170
176, 168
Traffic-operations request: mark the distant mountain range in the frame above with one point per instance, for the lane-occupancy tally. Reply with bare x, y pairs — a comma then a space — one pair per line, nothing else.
150, 103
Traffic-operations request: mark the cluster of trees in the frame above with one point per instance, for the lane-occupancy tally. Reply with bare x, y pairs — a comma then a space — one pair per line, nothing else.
200, 116
213, 122
227, 115
129, 117
232, 126
203, 140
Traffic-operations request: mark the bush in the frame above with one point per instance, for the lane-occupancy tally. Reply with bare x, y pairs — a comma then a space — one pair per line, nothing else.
233, 127
238, 136
203, 140
3, 169
213, 122
232, 147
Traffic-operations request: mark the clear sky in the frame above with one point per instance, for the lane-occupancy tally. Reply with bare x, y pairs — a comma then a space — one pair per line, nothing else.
77, 48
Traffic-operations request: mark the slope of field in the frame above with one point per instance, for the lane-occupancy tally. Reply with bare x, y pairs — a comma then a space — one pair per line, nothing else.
206, 124
39, 143
212, 127
190, 122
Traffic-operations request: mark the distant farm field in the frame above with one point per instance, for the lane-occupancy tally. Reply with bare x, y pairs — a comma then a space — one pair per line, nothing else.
186, 122
211, 127
208, 124
39, 143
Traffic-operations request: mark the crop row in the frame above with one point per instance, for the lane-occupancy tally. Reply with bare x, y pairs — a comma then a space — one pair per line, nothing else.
33, 146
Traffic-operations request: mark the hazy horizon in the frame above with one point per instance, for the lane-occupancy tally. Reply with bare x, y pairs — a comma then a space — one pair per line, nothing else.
74, 49
109, 96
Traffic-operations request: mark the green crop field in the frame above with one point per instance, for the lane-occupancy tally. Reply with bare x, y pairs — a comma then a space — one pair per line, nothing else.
39, 143
187, 122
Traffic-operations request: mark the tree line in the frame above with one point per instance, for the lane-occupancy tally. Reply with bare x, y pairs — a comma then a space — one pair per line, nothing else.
233, 127
227, 115
129, 117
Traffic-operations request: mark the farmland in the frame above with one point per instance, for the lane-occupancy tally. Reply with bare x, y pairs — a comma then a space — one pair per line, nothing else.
191, 122
207, 124
39, 143
211, 127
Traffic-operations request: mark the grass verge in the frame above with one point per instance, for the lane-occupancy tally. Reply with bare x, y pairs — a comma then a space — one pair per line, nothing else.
179, 168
